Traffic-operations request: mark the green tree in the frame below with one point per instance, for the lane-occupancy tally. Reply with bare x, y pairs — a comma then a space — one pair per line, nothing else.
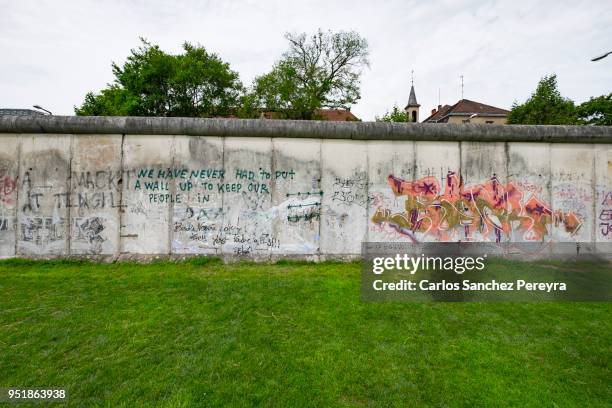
395, 115
154, 83
318, 71
596, 111
112, 101
546, 106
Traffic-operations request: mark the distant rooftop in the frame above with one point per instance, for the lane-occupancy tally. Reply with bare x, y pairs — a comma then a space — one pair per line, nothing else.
337, 115
334, 115
465, 107
18, 112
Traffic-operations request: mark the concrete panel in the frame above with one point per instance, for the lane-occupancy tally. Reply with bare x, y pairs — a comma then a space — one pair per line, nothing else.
268, 189
481, 207
529, 202
149, 194
44, 195
247, 198
434, 192
573, 198
96, 194
603, 201
345, 196
388, 220
296, 196
9, 170
197, 221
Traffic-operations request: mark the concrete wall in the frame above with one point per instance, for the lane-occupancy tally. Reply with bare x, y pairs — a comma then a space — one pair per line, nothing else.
261, 189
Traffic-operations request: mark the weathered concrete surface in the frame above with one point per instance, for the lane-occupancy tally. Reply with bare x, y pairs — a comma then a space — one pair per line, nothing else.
602, 215
387, 158
439, 161
247, 187
315, 190
95, 194
296, 197
303, 129
197, 221
148, 195
529, 166
44, 195
344, 196
572, 189
9, 169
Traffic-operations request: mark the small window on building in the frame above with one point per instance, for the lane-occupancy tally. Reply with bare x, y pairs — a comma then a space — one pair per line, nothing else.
414, 118
489, 122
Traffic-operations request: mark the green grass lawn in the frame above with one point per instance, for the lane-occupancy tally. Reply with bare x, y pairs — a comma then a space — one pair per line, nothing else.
207, 334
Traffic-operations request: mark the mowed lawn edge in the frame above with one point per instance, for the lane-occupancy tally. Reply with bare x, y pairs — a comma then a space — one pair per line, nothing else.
202, 332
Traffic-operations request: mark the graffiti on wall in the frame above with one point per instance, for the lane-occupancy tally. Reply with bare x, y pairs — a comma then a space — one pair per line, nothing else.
7, 188
605, 216
157, 183
351, 190
247, 209
489, 211
42, 230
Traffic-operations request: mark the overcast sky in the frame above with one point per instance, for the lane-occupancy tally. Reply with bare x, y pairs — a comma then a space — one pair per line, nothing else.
53, 52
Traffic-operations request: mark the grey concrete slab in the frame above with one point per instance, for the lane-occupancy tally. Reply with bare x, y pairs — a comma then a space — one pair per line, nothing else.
149, 194
95, 195
345, 196
197, 221
9, 171
296, 196
44, 196
247, 197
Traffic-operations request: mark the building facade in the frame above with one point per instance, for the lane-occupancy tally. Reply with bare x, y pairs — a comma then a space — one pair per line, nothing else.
466, 111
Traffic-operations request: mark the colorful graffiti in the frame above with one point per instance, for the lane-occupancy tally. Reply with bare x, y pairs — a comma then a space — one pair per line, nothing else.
7, 187
489, 211
605, 216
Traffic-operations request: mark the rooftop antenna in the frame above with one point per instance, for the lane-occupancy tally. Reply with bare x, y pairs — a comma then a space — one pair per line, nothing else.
412, 77
461, 86
438, 96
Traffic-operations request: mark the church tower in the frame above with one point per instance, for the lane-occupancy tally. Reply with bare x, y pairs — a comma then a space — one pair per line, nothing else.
412, 109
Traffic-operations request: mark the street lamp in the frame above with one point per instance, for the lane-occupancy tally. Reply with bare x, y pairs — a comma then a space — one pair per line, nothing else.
601, 56
42, 109
471, 117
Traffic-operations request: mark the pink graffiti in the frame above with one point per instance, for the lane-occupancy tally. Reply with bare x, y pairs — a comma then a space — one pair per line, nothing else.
490, 209
7, 187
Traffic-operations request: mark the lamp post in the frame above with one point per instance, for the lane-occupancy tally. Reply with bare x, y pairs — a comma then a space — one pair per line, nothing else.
601, 56
42, 109
471, 117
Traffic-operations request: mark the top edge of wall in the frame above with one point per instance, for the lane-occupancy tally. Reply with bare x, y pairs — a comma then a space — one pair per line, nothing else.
303, 129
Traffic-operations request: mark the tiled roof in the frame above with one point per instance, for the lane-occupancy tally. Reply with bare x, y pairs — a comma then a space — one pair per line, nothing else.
338, 115
465, 107
438, 114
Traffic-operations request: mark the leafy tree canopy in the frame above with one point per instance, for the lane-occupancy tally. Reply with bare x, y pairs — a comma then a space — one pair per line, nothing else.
395, 115
596, 111
154, 83
318, 71
546, 106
